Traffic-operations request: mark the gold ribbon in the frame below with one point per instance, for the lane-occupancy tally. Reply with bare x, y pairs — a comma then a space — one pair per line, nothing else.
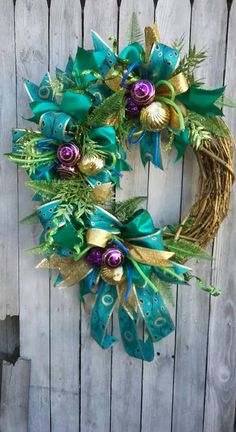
72, 271
174, 118
151, 36
149, 256
131, 303
98, 237
178, 82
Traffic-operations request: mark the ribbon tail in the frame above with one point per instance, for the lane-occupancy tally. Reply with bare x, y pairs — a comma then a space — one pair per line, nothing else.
150, 149
156, 151
101, 314
156, 316
129, 334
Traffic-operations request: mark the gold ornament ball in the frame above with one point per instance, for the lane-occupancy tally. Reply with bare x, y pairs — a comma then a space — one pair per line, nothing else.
91, 165
112, 275
155, 116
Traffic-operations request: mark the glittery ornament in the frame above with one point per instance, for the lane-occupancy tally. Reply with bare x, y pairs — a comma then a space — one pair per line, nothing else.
112, 258
155, 117
94, 256
68, 154
142, 92
91, 165
112, 275
66, 171
132, 107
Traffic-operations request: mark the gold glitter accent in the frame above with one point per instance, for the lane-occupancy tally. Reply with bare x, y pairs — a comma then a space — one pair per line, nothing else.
91, 165
103, 192
72, 271
151, 37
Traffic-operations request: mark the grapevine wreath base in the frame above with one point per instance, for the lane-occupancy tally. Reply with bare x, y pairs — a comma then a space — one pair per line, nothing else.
216, 176
87, 115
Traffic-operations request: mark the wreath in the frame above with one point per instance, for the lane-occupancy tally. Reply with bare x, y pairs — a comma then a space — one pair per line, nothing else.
87, 116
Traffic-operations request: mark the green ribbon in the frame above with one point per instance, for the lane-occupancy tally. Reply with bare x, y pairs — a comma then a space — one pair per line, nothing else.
202, 101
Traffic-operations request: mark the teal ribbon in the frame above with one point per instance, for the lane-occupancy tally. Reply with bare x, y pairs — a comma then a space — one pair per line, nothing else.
134, 346
65, 237
101, 314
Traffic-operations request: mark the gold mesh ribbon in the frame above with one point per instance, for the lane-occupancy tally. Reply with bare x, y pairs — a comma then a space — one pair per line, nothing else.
149, 256
72, 271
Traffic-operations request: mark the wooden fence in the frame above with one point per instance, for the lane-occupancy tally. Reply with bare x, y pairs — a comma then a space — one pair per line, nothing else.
74, 385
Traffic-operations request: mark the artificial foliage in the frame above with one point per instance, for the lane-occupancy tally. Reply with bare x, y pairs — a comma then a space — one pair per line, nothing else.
86, 117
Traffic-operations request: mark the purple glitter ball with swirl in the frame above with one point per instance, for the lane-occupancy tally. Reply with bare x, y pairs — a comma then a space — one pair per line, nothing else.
94, 256
132, 107
68, 154
143, 92
112, 258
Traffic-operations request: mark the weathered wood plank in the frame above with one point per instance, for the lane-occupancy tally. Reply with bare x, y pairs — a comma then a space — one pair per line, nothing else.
8, 173
193, 307
15, 396
32, 62
126, 371
65, 36
221, 368
164, 191
100, 16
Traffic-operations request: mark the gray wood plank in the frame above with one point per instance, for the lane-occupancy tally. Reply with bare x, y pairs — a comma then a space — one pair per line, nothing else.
8, 172
127, 371
65, 36
193, 305
32, 63
221, 369
15, 396
164, 191
100, 16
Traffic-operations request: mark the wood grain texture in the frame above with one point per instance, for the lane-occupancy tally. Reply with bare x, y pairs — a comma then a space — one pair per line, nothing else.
221, 367
164, 192
193, 305
75, 385
101, 16
9, 304
15, 396
32, 62
127, 373
65, 36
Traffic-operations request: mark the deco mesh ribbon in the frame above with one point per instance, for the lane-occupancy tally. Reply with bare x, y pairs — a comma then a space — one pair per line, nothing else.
76, 156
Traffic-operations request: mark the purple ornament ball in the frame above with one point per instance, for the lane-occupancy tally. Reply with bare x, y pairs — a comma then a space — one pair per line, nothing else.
68, 154
143, 92
132, 107
112, 258
94, 256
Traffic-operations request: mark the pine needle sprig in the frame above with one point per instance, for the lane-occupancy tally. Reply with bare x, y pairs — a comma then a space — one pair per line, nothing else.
123, 210
75, 192
164, 289
198, 134
189, 63
135, 33
212, 124
184, 250
110, 108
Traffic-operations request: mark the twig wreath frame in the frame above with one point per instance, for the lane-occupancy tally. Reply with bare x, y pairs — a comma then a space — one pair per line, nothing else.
86, 116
